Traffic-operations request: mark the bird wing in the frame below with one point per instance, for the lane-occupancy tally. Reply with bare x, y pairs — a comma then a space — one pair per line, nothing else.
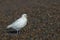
15, 22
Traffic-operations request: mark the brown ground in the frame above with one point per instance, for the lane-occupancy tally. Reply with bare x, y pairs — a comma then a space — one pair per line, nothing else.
43, 19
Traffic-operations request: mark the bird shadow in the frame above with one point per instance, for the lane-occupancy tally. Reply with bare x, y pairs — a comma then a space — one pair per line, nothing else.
11, 31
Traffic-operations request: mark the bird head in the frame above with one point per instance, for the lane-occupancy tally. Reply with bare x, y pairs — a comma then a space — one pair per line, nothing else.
24, 15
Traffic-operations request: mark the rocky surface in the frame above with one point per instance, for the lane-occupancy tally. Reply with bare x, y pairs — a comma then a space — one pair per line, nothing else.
43, 19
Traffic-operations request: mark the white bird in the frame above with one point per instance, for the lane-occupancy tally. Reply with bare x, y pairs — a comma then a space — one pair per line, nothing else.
19, 23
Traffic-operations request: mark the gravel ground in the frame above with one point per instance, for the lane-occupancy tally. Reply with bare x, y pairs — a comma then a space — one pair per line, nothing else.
43, 19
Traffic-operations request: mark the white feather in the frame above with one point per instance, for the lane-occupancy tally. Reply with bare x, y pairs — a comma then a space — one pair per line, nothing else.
19, 23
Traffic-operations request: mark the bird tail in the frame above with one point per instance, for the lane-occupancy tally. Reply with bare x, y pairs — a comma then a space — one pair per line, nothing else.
9, 26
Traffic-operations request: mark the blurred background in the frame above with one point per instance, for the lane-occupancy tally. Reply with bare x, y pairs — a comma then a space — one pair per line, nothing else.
43, 19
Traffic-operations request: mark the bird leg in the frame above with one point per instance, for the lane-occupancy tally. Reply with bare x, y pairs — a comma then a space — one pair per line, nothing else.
17, 32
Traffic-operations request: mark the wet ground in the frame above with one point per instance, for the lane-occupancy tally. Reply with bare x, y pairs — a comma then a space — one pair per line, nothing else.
43, 19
